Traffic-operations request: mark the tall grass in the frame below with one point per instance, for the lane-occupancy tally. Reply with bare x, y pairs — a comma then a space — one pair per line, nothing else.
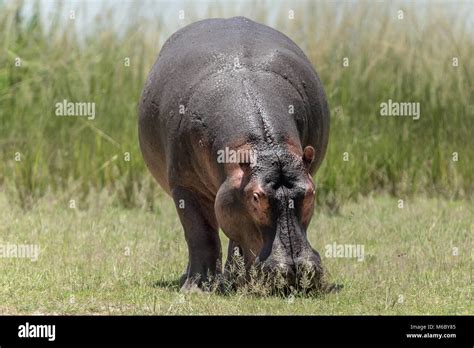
408, 60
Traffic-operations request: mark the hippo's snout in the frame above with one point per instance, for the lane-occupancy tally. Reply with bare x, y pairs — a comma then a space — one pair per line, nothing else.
304, 271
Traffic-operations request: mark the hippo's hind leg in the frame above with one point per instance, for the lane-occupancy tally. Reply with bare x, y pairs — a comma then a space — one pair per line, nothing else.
201, 233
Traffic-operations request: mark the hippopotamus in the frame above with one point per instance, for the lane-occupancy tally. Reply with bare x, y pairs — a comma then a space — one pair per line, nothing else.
233, 124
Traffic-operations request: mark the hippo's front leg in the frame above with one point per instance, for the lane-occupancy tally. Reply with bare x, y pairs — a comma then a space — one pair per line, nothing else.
202, 237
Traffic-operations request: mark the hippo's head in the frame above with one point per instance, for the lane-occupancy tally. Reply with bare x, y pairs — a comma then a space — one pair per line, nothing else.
265, 207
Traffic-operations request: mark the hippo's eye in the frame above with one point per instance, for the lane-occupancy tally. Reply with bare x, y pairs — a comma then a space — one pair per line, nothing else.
255, 197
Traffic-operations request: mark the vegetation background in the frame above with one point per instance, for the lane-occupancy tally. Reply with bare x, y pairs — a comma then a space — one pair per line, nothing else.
47, 160
406, 60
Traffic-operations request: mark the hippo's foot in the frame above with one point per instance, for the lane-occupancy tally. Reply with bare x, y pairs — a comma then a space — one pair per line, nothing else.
195, 285
191, 287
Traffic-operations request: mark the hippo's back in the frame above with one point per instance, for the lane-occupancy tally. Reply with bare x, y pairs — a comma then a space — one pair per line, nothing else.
205, 47
202, 82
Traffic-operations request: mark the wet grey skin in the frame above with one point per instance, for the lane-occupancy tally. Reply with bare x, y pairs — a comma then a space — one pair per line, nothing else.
242, 86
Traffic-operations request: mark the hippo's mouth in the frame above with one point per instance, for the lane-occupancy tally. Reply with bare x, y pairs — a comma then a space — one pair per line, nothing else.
278, 276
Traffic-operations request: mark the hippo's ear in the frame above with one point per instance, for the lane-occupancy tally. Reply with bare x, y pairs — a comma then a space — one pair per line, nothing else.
308, 155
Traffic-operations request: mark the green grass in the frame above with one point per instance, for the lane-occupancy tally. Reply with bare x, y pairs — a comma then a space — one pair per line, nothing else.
407, 60
83, 269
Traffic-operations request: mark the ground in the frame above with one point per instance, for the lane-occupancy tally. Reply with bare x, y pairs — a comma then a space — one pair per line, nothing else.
109, 260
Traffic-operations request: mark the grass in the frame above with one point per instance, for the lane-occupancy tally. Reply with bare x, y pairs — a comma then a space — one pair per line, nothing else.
83, 267
407, 60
